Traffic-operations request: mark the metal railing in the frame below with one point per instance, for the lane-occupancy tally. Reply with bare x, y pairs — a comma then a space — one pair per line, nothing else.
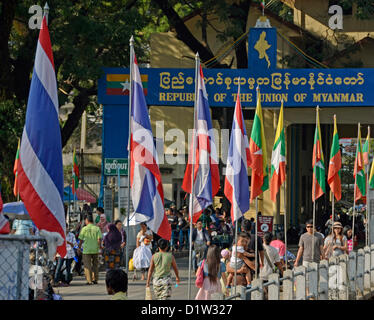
15, 265
344, 277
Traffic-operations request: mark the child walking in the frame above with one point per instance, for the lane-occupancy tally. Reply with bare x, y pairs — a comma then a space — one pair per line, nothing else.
161, 264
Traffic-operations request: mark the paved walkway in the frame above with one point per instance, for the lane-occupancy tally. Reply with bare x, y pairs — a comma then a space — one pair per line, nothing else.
78, 290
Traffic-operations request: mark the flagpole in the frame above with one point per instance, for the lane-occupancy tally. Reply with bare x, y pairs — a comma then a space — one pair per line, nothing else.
314, 186
197, 64
333, 209
333, 196
119, 191
354, 192
236, 254
129, 153
285, 221
367, 193
256, 244
75, 192
236, 223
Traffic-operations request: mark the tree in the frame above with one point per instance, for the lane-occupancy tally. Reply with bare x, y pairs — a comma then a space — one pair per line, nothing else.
86, 36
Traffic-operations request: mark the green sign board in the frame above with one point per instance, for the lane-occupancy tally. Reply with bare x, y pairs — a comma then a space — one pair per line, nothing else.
111, 166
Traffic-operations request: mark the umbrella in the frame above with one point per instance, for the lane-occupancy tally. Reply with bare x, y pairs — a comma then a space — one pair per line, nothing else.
80, 195
68, 194
84, 195
16, 210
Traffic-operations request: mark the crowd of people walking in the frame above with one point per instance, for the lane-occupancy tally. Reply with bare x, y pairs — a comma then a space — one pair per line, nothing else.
218, 262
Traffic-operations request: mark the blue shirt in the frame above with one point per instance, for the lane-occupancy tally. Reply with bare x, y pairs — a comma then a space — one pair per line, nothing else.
222, 268
22, 227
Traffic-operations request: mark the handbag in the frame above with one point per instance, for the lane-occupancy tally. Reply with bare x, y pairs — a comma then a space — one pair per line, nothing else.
271, 264
148, 293
200, 276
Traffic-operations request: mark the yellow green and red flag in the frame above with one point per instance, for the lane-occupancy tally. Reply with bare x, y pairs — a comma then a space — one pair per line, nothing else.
258, 154
15, 171
359, 173
278, 159
335, 165
75, 174
119, 84
319, 183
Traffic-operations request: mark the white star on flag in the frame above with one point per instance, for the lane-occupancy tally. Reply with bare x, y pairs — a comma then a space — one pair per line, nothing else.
126, 85
277, 158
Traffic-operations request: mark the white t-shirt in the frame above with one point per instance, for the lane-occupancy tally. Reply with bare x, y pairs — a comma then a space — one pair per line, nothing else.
142, 237
273, 257
240, 250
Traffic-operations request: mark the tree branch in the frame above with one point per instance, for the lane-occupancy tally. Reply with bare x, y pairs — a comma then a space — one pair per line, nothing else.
80, 102
184, 34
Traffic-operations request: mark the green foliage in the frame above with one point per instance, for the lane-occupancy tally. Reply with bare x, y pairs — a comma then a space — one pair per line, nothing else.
11, 115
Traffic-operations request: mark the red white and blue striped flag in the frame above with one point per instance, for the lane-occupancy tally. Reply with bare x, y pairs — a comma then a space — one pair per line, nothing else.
145, 177
40, 172
206, 174
236, 180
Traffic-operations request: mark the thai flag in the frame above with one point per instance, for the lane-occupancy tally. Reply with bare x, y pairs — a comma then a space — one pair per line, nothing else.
145, 177
236, 180
206, 174
41, 180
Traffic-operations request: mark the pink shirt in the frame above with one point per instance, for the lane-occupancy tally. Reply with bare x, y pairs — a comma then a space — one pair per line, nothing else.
350, 245
280, 246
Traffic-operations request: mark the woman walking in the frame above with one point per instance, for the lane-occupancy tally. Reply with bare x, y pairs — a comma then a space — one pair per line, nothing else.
103, 224
336, 242
213, 270
112, 247
143, 254
161, 264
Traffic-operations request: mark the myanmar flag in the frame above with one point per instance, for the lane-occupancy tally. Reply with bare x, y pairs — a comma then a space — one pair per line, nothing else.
333, 178
278, 159
319, 184
15, 171
257, 154
366, 148
359, 173
75, 173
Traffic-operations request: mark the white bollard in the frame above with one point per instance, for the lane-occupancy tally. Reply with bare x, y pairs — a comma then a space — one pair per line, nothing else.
273, 289
288, 290
352, 261
300, 278
367, 270
323, 280
342, 277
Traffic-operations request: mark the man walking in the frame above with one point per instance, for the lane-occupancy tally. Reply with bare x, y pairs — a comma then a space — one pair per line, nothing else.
200, 243
306, 243
173, 221
91, 237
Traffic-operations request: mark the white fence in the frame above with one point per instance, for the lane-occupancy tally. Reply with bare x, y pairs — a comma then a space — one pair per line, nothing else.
346, 277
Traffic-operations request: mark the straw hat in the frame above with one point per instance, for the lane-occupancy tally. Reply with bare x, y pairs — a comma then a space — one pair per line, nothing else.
337, 224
